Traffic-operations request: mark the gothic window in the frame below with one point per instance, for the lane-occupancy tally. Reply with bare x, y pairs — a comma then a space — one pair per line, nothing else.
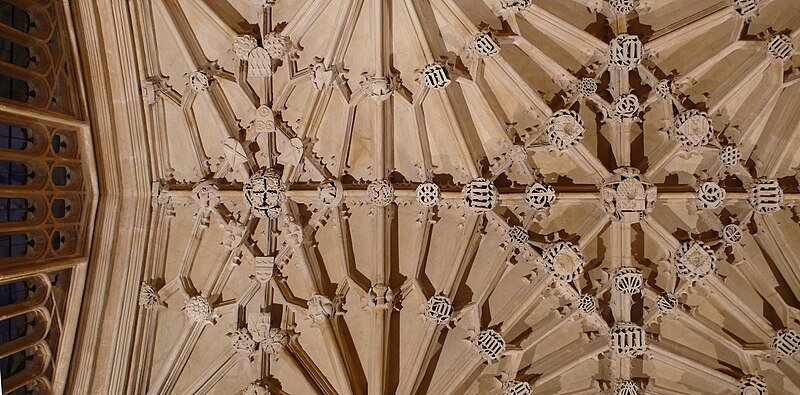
14, 209
14, 137
60, 176
59, 208
14, 245
58, 142
17, 18
14, 363
15, 53
15, 89
58, 240
13, 293
14, 173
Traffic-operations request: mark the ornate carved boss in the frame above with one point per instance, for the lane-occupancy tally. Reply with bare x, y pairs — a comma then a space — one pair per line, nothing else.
693, 128
730, 155
514, 387
480, 195
780, 47
380, 193
664, 88
483, 44
625, 51
709, 195
428, 194
746, 7
265, 194
436, 76
587, 86
540, 195
621, 6
625, 107
667, 303
380, 296
380, 87
694, 260
628, 339
587, 304
514, 6
518, 236
786, 343
198, 310
626, 197
320, 308
439, 309
563, 261
625, 387
199, 81
330, 193
732, 234
628, 280
564, 129
490, 345
243, 342
148, 297
766, 196
752, 385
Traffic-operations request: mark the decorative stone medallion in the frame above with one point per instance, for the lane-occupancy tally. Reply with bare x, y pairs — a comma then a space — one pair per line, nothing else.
628, 280
243, 343
483, 44
514, 6
667, 303
480, 195
752, 385
709, 195
564, 129
490, 345
439, 309
747, 8
730, 155
563, 261
625, 387
518, 236
242, 46
330, 193
732, 234
320, 308
198, 310
514, 387
265, 194
199, 81
626, 197
780, 47
625, 51
621, 6
587, 304
765, 195
786, 343
255, 388
540, 195
380, 193
380, 87
148, 297
693, 128
625, 107
436, 76
587, 86
428, 194
694, 260
628, 339
664, 88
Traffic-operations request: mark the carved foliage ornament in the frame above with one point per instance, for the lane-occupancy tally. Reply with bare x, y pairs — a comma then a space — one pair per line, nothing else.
198, 310
625, 387
628, 280
480, 195
564, 129
621, 6
205, 194
436, 76
380, 193
625, 51
628, 339
540, 195
780, 47
428, 194
664, 88
243, 342
265, 193
514, 6
694, 260
439, 309
765, 195
693, 128
490, 345
242, 46
330, 193
709, 195
626, 197
563, 261
148, 297
514, 387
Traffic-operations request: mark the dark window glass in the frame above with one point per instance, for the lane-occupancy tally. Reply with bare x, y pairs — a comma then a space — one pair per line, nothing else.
60, 175
59, 208
14, 137
15, 53
14, 173
14, 363
14, 328
14, 245
15, 17
57, 240
14, 209
58, 142
15, 89
16, 292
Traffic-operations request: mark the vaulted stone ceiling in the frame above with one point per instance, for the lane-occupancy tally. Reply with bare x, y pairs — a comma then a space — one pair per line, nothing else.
471, 196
